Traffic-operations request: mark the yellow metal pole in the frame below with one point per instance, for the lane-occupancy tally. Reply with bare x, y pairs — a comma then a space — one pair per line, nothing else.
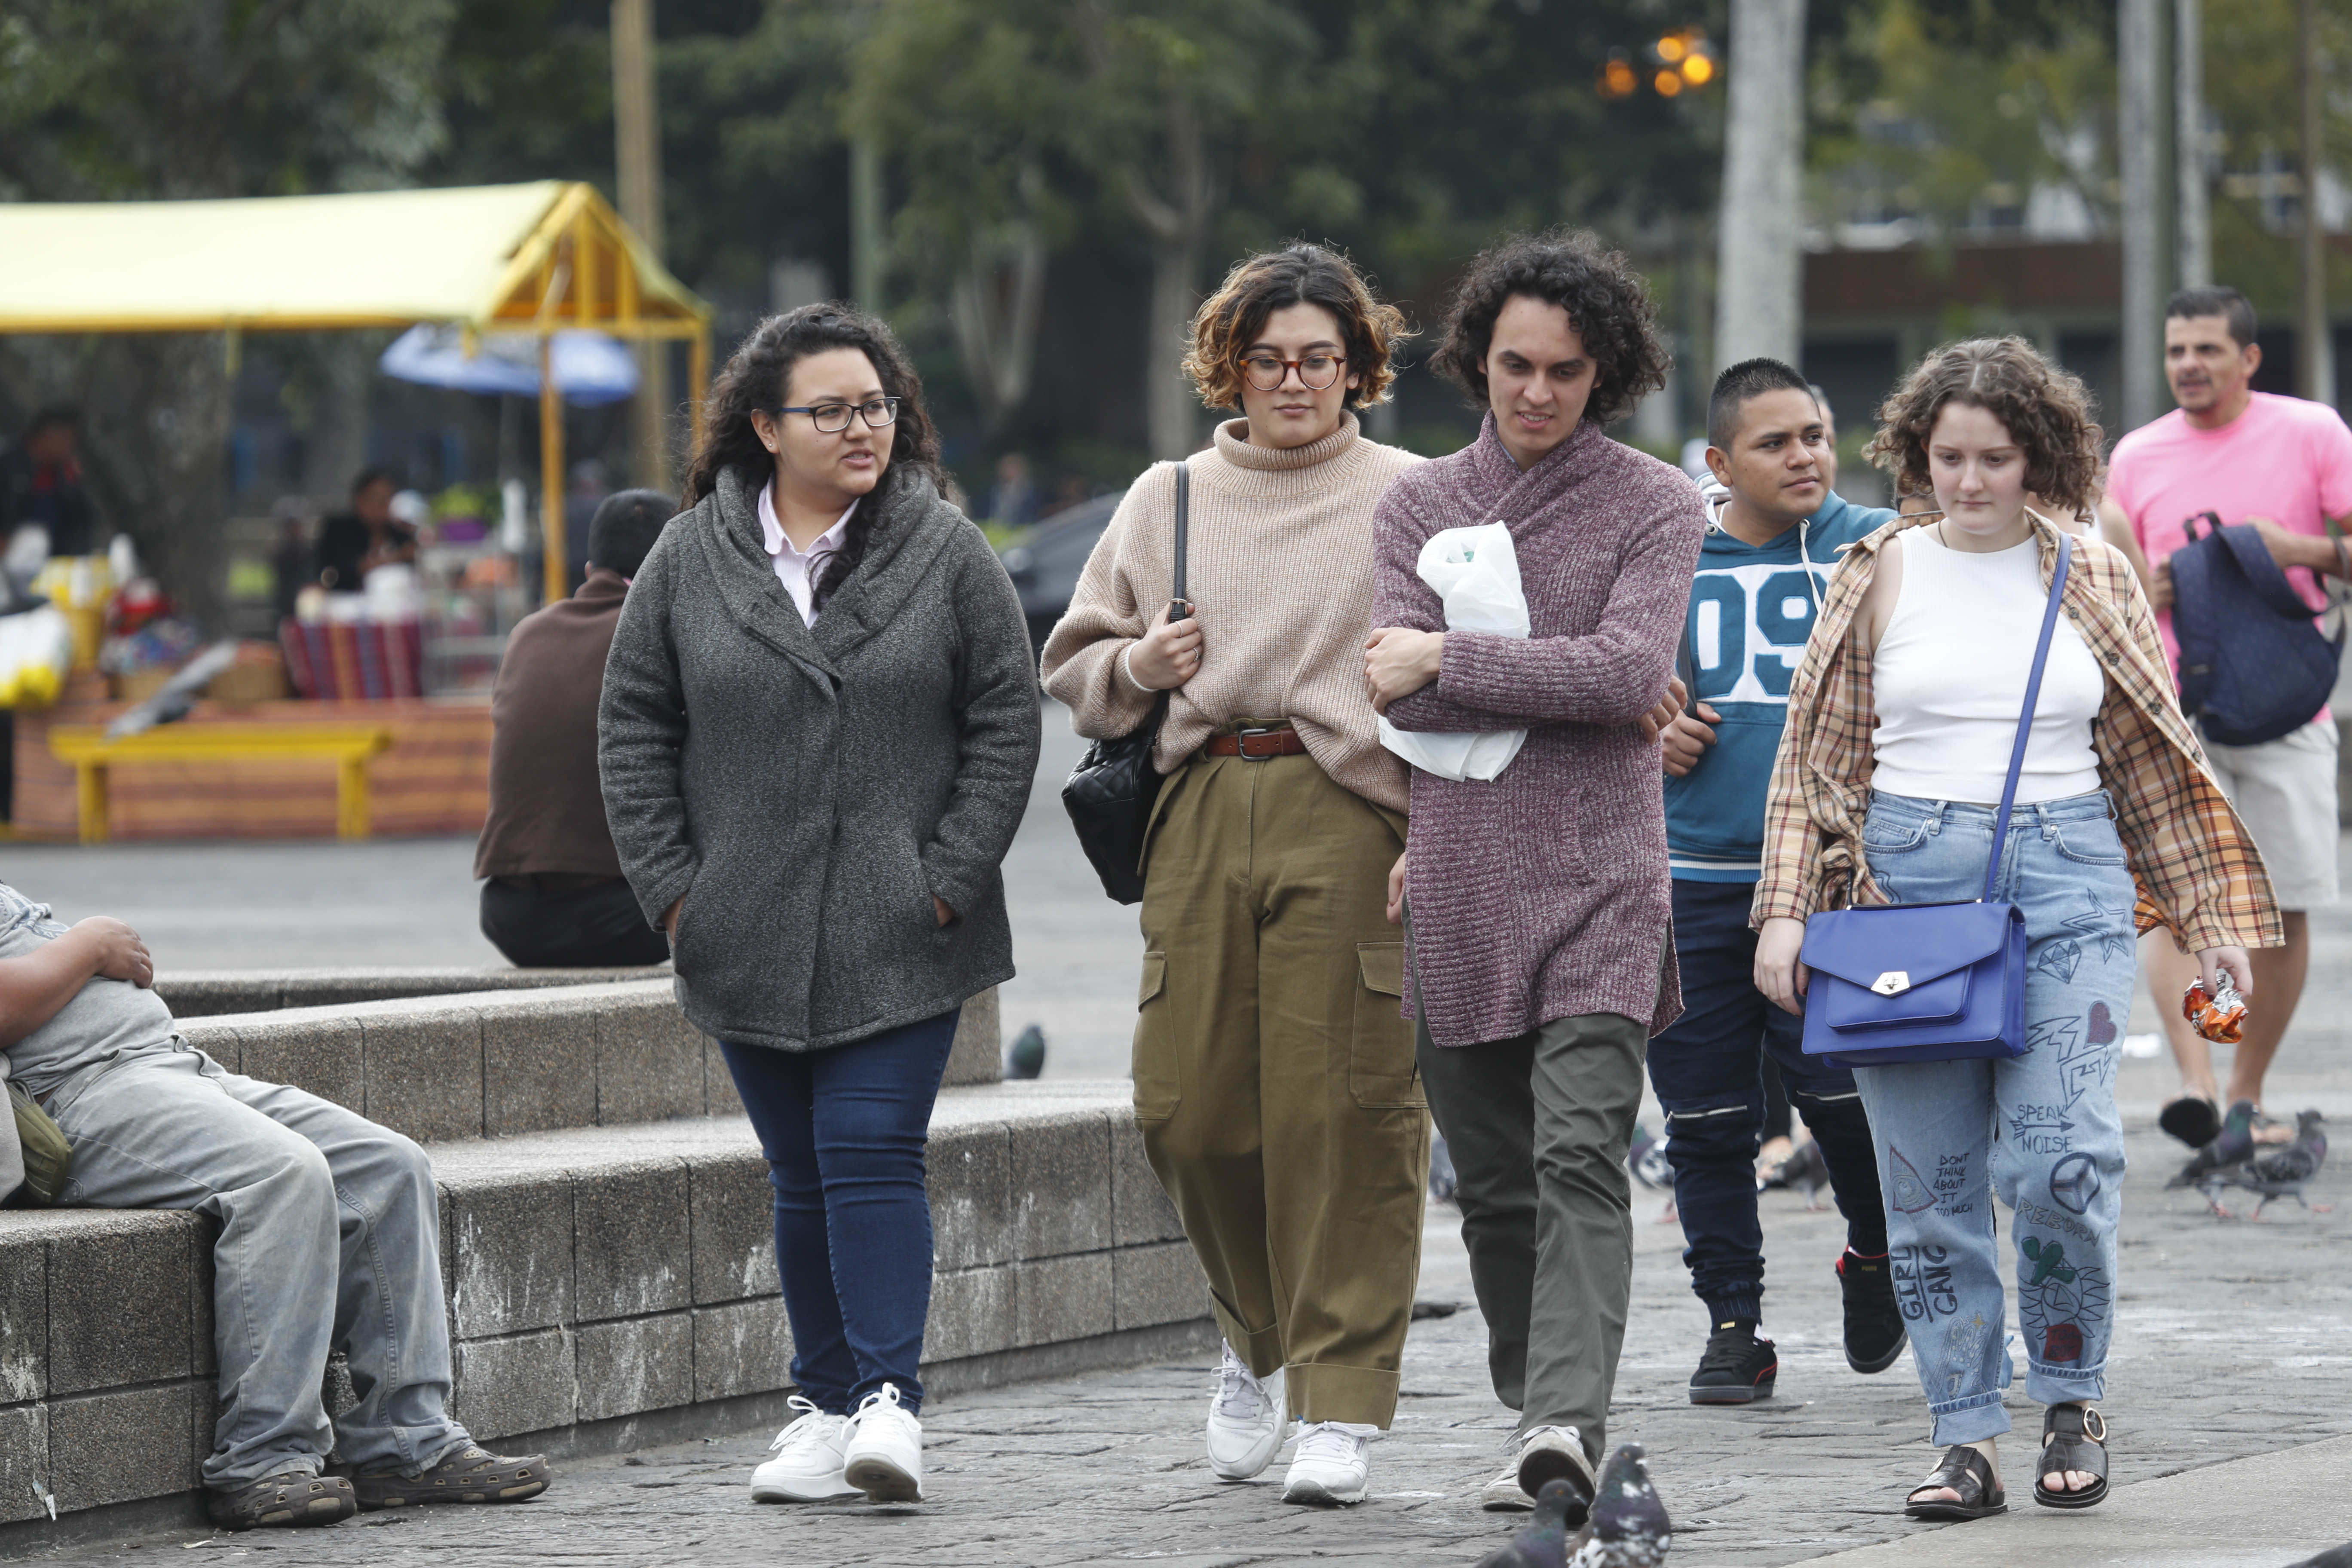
697, 374
550, 472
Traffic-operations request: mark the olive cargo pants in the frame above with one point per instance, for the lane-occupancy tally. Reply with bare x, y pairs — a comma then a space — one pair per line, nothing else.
1275, 1081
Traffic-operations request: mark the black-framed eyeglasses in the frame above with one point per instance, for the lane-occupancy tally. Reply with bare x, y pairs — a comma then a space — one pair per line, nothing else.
1317, 371
833, 417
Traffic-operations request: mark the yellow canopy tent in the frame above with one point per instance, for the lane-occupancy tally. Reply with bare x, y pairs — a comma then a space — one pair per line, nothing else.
532, 257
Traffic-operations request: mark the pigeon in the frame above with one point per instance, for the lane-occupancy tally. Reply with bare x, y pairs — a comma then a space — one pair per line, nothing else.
177, 695
2333, 1557
1544, 1543
1648, 1160
1627, 1527
1804, 1168
2282, 1172
1442, 1182
1028, 1058
2234, 1145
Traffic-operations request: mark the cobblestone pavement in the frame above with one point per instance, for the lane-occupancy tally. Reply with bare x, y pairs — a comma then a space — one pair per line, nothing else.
2232, 1341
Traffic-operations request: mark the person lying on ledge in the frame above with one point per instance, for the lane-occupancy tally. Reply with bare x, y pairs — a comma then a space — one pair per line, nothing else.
329, 1233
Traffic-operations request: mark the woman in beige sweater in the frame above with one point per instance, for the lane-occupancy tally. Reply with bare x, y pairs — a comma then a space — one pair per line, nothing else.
1274, 1076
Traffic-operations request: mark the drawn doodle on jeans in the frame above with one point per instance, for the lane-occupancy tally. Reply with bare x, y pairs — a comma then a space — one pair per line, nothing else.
2041, 1129
1905, 1191
1951, 1181
2059, 1312
2102, 1031
1923, 1283
2058, 1034
1964, 1348
2060, 958
2049, 1261
2103, 925
2075, 1183
2051, 1219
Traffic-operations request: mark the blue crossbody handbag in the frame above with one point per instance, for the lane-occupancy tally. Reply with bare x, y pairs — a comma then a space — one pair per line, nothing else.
1930, 983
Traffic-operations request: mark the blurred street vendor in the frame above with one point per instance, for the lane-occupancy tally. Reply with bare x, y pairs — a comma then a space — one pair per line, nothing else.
554, 897
40, 484
354, 543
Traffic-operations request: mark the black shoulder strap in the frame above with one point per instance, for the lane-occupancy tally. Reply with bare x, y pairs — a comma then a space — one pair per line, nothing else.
1184, 526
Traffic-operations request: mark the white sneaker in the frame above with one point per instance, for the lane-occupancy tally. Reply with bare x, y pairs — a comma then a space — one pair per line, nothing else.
1556, 1454
1504, 1494
1244, 1420
1329, 1465
807, 1466
882, 1451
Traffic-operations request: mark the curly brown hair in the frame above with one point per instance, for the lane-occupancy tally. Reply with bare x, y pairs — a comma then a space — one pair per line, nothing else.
1607, 302
2046, 409
1230, 320
754, 379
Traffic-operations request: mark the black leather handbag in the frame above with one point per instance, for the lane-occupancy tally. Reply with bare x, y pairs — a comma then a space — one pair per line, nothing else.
1110, 794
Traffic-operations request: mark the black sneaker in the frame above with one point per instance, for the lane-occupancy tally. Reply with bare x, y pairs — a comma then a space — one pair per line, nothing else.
1737, 1367
1873, 1325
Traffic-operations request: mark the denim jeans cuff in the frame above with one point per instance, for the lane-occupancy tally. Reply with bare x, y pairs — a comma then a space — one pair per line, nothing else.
1970, 1420
2061, 1385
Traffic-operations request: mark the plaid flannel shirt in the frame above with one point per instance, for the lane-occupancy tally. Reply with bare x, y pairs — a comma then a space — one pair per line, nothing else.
2196, 867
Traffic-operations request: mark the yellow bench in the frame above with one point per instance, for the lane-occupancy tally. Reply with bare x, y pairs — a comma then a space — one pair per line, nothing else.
348, 746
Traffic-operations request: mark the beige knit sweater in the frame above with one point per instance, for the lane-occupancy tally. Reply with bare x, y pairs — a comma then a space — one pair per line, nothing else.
1279, 568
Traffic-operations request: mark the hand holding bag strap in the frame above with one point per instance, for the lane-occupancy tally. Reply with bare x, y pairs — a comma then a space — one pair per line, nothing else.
2025, 719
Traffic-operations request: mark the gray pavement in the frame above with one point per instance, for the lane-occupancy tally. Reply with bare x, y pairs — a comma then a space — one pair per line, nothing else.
2231, 1392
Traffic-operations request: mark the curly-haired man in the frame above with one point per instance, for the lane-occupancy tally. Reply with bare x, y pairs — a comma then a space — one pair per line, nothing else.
1541, 923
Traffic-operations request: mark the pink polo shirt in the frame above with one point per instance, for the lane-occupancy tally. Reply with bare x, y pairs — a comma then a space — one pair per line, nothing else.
2283, 458
799, 570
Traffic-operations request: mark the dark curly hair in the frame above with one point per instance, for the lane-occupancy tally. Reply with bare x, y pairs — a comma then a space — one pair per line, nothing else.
754, 378
2046, 409
1230, 320
1607, 302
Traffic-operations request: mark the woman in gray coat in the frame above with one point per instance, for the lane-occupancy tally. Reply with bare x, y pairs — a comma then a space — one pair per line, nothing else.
818, 730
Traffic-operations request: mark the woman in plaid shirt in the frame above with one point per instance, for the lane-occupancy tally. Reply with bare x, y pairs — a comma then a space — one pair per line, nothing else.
1884, 790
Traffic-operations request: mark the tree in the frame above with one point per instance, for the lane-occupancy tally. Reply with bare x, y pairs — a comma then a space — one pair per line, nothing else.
1008, 116
109, 99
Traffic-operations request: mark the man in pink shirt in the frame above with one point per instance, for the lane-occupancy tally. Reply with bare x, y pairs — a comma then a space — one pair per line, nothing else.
2285, 465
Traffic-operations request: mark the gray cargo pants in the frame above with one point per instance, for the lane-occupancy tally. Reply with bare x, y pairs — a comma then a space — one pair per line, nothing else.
329, 1237
1537, 1128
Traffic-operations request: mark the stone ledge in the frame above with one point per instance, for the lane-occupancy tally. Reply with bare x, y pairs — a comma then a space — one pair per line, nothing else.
601, 1280
445, 1066
206, 993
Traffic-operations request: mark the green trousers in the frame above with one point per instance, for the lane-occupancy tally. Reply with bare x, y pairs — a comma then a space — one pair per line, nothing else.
1537, 1128
1275, 1079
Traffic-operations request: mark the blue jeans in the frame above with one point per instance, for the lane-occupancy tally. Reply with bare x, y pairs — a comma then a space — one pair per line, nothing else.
330, 1236
2040, 1129
844, 1131
1708, 1072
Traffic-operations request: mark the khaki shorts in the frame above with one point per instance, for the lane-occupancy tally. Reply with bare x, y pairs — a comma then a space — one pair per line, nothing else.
2285, 791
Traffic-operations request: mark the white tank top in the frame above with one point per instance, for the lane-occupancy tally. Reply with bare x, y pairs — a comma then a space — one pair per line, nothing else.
1950, 677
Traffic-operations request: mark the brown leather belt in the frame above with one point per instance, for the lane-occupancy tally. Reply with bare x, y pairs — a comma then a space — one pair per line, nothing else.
1257, 745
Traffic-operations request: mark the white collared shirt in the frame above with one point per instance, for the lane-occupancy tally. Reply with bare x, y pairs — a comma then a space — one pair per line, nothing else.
798, 571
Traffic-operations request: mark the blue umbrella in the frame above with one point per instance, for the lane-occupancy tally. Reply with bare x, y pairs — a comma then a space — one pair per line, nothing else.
591, 369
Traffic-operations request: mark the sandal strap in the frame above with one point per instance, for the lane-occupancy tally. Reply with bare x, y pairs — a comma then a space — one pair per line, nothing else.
1963, 1470
2074, 1422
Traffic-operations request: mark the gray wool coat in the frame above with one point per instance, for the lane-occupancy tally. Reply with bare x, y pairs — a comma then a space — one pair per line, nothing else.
808, 790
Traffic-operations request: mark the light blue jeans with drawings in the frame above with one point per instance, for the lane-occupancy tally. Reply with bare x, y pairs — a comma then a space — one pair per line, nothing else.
2040, 1129
330, 1236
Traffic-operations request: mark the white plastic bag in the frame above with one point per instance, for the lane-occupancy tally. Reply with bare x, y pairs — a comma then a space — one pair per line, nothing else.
1476, 570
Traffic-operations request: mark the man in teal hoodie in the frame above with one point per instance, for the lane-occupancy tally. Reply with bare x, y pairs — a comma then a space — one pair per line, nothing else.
1772, 542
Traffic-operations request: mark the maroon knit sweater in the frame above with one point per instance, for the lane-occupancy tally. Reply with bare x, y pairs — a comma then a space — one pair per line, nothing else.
1544, 894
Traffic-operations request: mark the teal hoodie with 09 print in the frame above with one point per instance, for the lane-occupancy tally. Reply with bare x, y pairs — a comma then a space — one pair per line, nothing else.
1751, 609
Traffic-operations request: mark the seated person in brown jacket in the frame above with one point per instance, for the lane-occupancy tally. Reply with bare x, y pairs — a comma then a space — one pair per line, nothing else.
554, 897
